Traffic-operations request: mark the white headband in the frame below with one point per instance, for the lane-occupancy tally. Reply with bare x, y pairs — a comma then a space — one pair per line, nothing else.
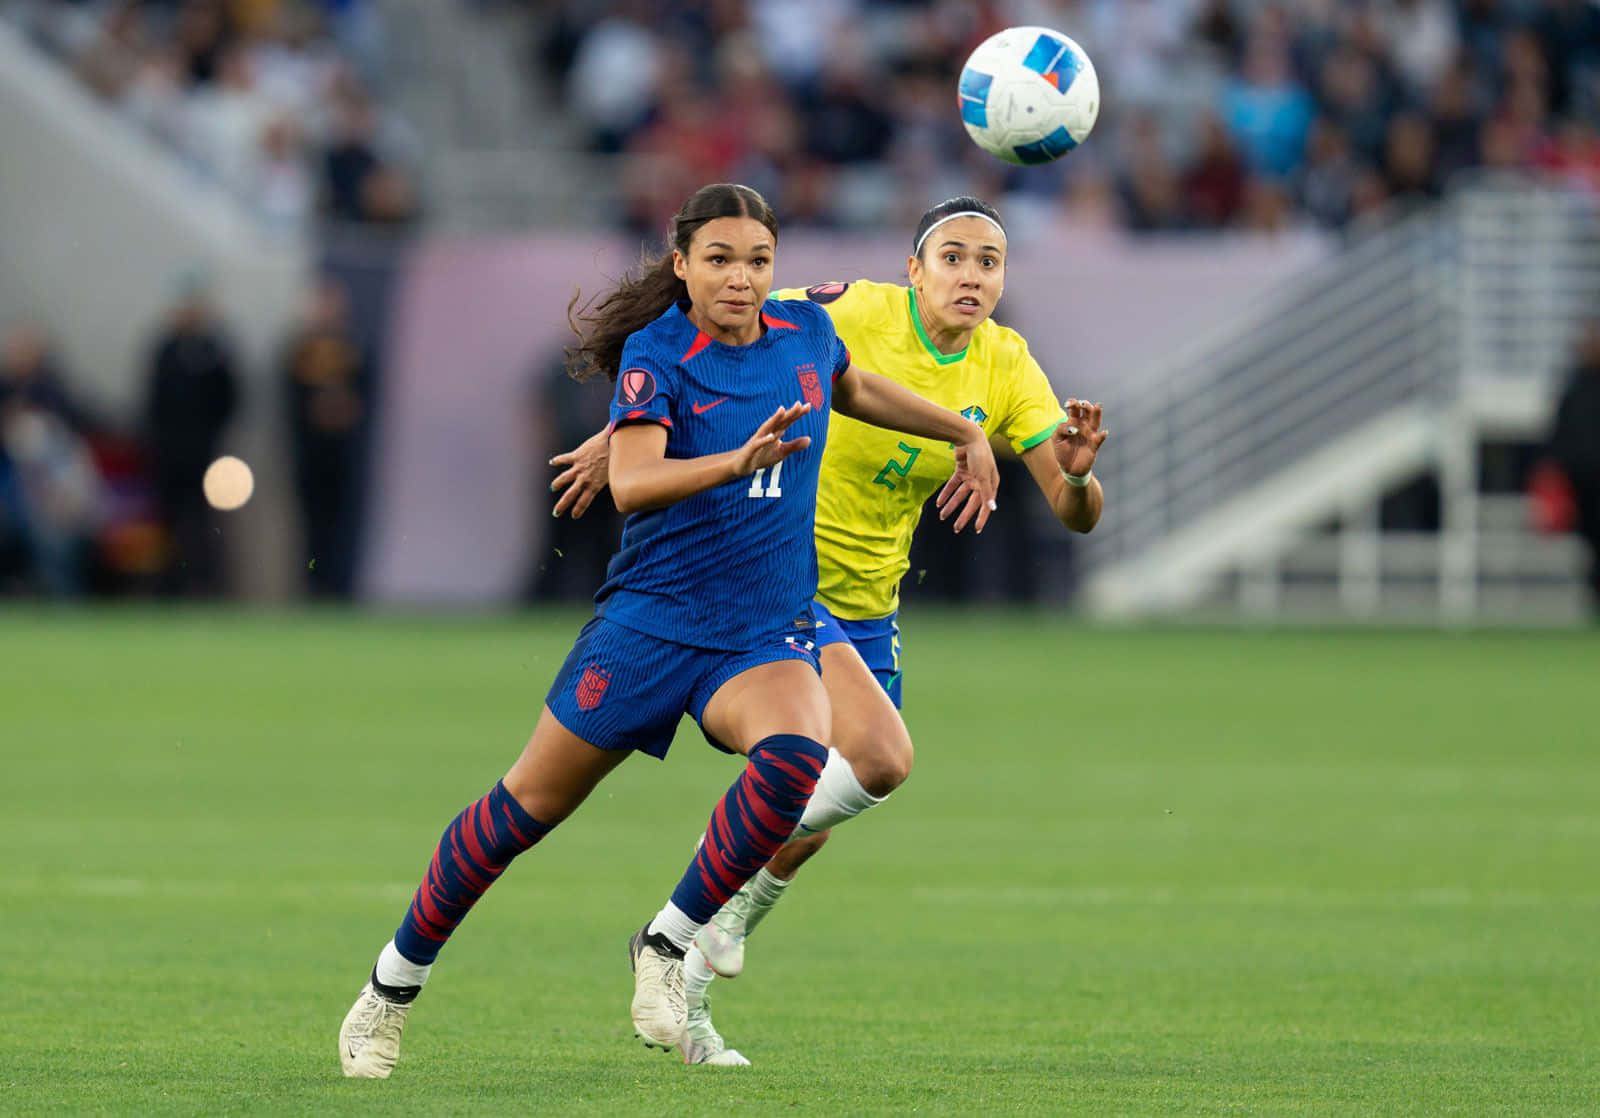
916, 250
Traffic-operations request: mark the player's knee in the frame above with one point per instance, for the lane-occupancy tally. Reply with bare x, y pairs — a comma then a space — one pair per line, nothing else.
884, 770
791, 764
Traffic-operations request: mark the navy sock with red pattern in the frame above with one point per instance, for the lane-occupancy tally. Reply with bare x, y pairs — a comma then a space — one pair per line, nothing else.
754, 819
473, 852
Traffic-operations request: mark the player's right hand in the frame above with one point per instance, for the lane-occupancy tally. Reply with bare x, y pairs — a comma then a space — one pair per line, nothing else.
766, 447
969, 495
585, 476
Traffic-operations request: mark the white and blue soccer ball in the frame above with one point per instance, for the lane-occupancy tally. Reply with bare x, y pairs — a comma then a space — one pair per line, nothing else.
1029, 95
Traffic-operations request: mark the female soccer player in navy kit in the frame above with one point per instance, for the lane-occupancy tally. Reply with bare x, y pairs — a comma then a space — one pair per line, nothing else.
706, 608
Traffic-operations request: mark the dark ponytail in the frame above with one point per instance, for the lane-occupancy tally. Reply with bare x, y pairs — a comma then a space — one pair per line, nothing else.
604, 323
964, 203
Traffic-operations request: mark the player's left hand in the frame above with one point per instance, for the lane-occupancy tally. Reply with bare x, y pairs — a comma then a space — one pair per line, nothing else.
1079, 437
973, 486
587, 470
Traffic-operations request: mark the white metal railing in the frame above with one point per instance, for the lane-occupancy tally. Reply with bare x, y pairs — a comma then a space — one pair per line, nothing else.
1493, 284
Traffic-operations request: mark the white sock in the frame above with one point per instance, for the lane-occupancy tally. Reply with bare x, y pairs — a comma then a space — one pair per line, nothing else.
697, 975
394, 969
675, 924
839, 796
766, 889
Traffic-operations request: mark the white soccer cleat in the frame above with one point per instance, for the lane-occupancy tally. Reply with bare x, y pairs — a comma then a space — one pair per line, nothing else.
659, 1013
702, 1044
722, 940
369, 1039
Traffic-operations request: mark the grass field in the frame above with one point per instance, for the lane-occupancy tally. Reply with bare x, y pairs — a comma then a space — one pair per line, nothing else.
1194, 872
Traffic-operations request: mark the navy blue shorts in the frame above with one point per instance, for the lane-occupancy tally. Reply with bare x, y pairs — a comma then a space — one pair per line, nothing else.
878, 642
623, 689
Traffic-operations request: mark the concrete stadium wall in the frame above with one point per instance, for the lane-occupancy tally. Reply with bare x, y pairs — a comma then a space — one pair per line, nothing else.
458, 464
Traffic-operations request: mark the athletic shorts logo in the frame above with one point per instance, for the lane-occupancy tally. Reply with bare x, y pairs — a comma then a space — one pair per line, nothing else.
826, 292
636, 386
810, 385
592, 686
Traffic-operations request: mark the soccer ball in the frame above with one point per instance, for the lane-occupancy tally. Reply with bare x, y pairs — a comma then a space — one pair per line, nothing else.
1029, 95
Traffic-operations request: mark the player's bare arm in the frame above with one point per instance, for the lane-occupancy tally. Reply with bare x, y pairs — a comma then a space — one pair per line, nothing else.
881, 402
643, 477
1070, 453
1071, 450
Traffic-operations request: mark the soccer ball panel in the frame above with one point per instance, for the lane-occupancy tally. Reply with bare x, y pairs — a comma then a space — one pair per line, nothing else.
1028, 95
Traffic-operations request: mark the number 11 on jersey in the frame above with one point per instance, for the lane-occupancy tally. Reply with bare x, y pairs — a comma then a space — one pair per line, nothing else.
772, 489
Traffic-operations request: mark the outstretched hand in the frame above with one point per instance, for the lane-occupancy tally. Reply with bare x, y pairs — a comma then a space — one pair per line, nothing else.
766, 447
1078, 438
587, 471
970, 493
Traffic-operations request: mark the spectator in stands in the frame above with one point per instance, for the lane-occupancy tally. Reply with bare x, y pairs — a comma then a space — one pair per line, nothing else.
1575, 445
29, 377
359, 185
1452, 104
328, 381
1267, 110
192, 393
1149, 189
1214, 182
1408, 159
202, 36
1328, 180
846, 118
611, 83
50, 491
1352, 92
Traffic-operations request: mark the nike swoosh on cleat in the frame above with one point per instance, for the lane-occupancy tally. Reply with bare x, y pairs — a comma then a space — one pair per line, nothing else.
699, 407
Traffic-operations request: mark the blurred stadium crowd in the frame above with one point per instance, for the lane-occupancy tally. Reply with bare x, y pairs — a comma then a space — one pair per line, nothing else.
1218, 115
274, 100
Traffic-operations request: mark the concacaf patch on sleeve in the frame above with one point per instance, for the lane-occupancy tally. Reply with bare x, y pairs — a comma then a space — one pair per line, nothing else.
636, 386
826, 292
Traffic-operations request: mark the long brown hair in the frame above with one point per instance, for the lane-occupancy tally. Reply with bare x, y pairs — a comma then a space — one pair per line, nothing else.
604, 323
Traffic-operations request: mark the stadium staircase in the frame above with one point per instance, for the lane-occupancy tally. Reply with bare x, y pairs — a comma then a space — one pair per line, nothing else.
1250, 472
499, 153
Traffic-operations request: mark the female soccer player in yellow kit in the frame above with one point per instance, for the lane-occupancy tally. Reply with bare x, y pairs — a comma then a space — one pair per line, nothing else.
935, 337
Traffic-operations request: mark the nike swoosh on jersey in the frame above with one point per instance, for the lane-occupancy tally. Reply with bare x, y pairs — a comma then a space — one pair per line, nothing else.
699, 407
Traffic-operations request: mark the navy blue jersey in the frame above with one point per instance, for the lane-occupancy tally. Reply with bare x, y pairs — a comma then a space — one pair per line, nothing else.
725, 567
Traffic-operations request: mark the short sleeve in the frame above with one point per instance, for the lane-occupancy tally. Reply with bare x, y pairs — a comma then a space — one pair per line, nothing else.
1034, 411
841, 357
646, 387
838, 352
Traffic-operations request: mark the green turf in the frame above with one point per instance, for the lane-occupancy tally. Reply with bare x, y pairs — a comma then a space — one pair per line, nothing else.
1135, 872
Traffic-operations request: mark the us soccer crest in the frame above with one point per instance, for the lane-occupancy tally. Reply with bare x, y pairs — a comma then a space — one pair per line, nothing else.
592, 686
810, 385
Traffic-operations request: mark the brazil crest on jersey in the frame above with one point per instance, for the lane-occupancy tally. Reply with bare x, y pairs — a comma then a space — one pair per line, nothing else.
874, 482
726, 567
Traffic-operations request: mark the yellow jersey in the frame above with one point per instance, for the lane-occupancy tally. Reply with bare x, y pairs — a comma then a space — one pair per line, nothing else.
874, 482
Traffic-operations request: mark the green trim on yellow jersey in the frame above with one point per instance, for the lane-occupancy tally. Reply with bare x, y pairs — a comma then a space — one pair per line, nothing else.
1034, 440
922, 334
